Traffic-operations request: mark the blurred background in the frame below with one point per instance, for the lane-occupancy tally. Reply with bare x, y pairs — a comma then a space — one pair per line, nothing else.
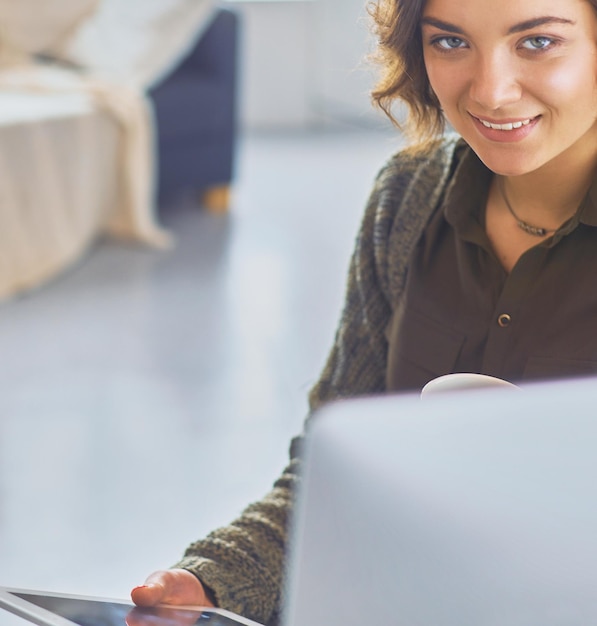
181, 182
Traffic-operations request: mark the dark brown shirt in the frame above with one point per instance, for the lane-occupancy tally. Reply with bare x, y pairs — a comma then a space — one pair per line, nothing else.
463, 312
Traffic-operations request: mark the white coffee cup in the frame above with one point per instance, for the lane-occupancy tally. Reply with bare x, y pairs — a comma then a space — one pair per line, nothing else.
462, 381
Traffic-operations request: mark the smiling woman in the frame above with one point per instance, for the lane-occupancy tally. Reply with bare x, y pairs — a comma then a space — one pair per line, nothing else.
477, 252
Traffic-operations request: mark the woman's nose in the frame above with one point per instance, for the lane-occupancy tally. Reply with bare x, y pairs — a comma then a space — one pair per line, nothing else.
495, 83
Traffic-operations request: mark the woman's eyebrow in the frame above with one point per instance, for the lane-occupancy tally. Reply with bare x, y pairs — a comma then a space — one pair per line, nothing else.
432, 21
517, 28
539, 21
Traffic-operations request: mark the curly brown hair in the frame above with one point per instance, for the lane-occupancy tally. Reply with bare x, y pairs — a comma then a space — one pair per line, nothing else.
396, 23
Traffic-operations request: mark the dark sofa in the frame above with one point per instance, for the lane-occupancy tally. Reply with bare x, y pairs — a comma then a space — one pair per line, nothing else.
196, 115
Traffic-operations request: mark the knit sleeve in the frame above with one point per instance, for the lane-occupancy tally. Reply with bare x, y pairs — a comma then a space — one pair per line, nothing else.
243, 563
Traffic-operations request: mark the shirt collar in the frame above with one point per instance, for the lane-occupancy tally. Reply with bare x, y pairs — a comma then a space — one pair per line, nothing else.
466, 196
587, 213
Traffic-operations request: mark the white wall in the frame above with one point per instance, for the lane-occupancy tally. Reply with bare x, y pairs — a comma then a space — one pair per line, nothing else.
302, 62
345, 75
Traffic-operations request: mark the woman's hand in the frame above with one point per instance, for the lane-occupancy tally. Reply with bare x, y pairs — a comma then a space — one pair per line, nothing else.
173, 586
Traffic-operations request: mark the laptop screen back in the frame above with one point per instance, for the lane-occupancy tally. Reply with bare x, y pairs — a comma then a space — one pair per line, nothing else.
476, 508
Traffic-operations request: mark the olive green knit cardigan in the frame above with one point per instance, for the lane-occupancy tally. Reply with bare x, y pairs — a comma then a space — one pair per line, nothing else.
243, 563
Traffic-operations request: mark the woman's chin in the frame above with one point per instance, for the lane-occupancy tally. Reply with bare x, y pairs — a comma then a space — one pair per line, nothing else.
506, 162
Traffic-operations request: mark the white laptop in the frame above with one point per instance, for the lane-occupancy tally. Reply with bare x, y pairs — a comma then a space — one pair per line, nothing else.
476, 508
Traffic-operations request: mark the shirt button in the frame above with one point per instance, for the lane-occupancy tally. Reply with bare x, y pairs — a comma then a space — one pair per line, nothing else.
504, 320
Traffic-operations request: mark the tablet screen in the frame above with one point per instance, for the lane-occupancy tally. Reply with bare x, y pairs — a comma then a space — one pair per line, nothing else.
104, 613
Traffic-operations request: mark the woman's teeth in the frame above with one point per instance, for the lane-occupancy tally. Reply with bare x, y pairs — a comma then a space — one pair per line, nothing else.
508, 126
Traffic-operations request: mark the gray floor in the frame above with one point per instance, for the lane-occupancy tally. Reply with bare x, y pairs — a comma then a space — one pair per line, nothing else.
146, 397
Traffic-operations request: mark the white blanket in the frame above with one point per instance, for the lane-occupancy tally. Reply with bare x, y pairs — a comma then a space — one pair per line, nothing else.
76, 158
139, 41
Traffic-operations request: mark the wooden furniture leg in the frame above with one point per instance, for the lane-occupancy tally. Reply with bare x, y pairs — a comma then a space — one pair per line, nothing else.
216, 199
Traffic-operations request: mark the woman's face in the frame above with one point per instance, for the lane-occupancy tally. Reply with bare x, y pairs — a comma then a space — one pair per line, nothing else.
516, 78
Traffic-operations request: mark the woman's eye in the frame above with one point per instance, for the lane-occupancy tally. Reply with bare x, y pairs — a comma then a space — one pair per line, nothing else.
449, 43
537, 43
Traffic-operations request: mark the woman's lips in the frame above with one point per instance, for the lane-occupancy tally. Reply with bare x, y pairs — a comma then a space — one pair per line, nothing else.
505, 130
